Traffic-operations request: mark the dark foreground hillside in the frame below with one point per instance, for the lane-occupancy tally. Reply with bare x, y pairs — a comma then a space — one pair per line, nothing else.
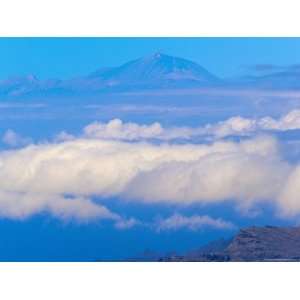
250, 244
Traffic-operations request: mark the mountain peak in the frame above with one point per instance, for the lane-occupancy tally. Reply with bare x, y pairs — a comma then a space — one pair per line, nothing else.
157, 55
158, 70
153, 72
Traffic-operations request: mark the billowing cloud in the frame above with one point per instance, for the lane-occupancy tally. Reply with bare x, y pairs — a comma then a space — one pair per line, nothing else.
241, 177
38, 177
289, 121
289, 196
244, 126
116, 129
194, 222
106, 168
63, 136
12, 139
235, 126
20, 205
117, 159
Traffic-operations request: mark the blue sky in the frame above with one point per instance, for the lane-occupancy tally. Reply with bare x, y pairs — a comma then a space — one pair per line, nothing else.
108, 176
70, 57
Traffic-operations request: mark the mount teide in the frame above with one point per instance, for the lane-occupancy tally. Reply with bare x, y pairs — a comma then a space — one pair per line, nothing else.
157, 71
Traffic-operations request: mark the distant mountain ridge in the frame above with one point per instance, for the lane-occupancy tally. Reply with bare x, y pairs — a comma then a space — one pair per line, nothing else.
267, 243
154, 72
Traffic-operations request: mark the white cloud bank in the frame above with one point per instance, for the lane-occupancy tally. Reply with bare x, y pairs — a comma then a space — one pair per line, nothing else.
19, 205
241, 126
61, 178
117, 130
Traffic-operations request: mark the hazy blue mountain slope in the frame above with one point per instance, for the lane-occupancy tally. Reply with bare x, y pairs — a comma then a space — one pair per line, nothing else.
159, 68
155, 71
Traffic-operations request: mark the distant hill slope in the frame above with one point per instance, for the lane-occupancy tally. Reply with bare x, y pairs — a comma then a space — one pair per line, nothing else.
250, 244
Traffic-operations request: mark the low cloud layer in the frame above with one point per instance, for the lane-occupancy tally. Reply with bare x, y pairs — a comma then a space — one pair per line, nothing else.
194, 222
116, 129
62, 178
235, 126
245, 126
20, 205
124, 161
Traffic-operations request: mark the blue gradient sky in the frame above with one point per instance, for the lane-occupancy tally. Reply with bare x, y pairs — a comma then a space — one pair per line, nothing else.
69, 57
43, 237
